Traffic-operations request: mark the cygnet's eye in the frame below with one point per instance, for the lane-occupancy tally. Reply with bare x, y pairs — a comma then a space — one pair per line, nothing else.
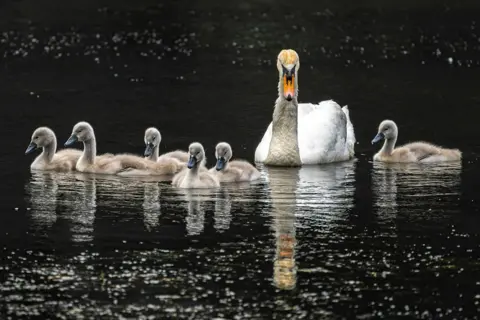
35, 138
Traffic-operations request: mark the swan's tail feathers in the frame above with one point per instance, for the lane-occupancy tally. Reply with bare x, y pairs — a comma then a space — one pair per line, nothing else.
459, 154
453, 154
350, 132
442, 155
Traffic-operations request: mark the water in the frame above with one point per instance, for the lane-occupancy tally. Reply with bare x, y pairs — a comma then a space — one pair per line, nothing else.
346, 240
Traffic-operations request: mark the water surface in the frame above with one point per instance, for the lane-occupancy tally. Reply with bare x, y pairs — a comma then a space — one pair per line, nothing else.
346, 240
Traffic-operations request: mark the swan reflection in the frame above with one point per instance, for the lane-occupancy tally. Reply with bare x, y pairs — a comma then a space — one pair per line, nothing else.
42, 191
81, 203
414, 185
223, 209
151, 205
73, 196
283, 184
196, 202
317, 196
384, 186
122, 194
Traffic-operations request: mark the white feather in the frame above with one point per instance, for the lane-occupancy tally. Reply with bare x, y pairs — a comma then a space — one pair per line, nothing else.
325, 134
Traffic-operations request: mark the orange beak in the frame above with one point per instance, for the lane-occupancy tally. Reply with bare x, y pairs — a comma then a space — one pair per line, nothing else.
288, 87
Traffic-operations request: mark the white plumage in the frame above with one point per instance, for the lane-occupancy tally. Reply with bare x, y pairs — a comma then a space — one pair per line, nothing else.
325, 134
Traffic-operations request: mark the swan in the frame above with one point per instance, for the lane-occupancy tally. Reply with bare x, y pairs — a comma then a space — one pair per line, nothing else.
411, 152
232, 171
49, 159
195, 175
122, 164
152, 140
304, 133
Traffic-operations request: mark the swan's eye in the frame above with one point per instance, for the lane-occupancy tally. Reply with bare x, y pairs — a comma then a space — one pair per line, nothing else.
36, 137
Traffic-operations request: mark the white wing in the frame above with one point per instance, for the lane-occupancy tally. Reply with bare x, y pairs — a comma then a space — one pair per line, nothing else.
325, 134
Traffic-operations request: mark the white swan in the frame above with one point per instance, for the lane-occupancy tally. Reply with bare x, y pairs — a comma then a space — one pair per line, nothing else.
304, 133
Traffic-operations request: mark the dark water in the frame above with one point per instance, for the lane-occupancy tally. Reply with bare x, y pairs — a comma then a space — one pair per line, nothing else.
346, 240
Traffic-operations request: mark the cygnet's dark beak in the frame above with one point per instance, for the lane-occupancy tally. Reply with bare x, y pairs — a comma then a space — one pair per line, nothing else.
191, 162
378, 137
148, 149
220, 163
31, 147
73, 138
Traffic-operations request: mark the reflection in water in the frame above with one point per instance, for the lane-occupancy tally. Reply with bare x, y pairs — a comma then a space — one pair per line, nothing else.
197, 201
413, 186
317, 194
151, 205
325, 193
384, 185
416, 183
83, 204
283, 186
72, 195
122, 194
42, 190
223, 208
195, 198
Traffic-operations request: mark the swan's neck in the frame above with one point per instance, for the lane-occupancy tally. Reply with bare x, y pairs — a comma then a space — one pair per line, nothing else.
49, 151
389, 145
155, 154
89, 151
193, 172
225, 167
283, 150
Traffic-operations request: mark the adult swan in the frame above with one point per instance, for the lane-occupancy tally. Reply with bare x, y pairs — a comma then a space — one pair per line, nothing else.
304, 133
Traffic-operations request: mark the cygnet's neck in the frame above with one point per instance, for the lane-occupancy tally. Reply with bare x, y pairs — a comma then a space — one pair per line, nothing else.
89, 150
225, 165
155, 153
389, 145
193, 172
283, 148
49, 151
